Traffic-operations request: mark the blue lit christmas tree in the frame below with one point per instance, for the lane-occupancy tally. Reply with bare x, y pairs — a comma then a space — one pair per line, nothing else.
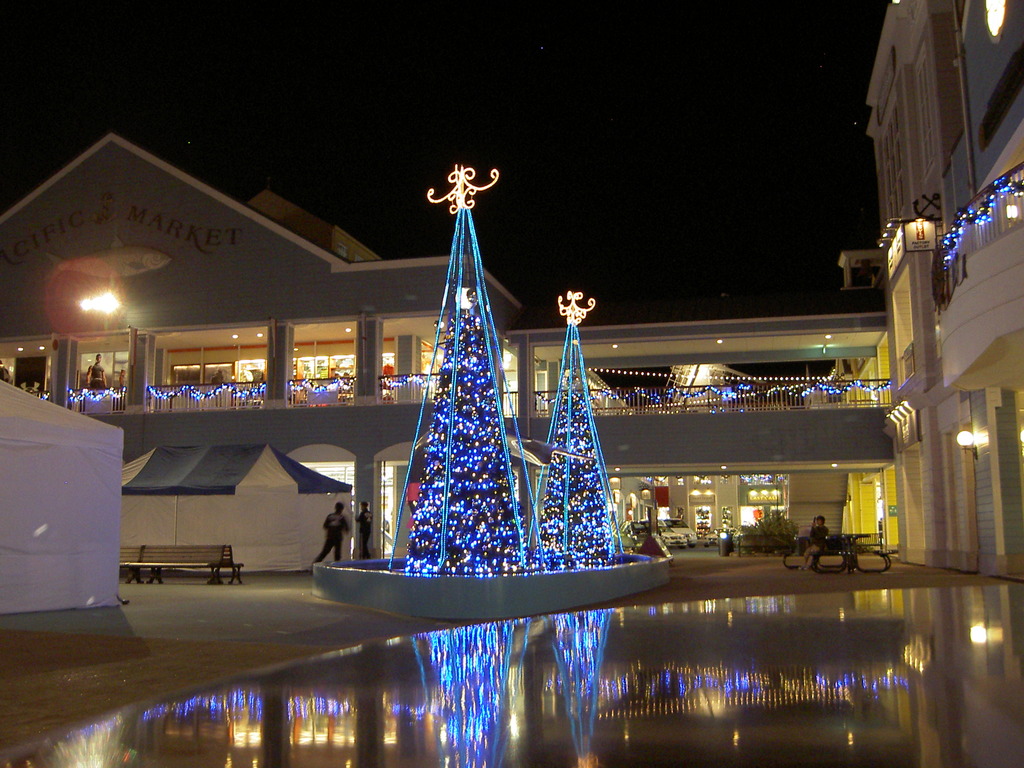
468, 688
579, 642
576, 529
467, 520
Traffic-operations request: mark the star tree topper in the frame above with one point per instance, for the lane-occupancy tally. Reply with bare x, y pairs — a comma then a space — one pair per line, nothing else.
572, 312
463, 190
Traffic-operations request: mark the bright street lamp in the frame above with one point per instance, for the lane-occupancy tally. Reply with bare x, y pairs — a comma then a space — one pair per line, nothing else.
107, 303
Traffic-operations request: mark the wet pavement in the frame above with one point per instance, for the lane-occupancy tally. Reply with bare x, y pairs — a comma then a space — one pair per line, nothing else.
735, 661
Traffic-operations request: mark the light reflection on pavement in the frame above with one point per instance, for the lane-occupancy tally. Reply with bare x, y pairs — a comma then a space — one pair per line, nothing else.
917, 677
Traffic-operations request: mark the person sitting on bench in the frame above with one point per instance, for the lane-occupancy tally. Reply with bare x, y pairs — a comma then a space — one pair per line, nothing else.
819, 537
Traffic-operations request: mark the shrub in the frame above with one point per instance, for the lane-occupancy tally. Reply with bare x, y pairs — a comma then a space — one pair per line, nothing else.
774, 524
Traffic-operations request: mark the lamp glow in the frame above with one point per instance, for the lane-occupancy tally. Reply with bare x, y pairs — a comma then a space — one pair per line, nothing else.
995, 14
965, 438
106, 303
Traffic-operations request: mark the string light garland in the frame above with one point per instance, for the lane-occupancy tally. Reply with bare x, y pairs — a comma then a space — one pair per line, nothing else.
737, 393
621, 372
341, 385
979, 211
194, 393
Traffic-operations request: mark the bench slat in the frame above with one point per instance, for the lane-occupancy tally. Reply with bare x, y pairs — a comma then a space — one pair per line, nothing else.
159, 556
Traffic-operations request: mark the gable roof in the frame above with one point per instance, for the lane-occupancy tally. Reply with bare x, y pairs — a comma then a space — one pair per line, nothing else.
237, 206
204, 470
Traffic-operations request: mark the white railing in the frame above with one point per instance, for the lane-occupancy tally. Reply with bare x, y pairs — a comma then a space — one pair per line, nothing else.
205, 397
406, 388
306, 393
97, 401
735, 397
993, 212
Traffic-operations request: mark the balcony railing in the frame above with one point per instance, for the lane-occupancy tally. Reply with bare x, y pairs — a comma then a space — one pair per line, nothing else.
407, 388
205, 397
306, 393
995, 210
95, 401
736, 397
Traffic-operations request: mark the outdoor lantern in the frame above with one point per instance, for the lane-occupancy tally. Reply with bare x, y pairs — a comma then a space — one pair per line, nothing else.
965, 438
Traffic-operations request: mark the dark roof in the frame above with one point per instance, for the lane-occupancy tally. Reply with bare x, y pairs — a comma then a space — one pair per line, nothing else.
725, 307
199, 470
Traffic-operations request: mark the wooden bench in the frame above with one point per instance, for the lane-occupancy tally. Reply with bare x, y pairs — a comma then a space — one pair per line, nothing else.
848, 549
156, 557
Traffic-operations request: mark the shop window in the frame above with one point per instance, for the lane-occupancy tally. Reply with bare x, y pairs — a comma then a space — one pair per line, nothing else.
218, 373
186, 374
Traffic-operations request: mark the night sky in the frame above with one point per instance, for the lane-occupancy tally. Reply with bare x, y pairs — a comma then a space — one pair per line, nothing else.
643, 153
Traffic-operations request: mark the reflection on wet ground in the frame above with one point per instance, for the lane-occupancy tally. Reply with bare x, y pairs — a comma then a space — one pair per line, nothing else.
922, 677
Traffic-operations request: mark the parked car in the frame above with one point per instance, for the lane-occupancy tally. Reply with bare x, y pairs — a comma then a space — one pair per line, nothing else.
633, 533
676, 533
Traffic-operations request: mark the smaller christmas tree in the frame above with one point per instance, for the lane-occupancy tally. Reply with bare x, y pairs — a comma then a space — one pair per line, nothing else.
579, 641
576, 525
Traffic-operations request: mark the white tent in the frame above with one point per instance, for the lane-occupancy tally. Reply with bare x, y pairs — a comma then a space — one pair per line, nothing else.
60, 493
268, 507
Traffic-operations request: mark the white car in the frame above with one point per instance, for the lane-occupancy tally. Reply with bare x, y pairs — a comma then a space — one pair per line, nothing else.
675, 533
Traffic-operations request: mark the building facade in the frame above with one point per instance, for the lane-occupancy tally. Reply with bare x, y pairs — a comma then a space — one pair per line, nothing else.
948, 126
242, 322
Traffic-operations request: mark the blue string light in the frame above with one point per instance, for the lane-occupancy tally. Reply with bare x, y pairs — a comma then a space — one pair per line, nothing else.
576, 521
467, 521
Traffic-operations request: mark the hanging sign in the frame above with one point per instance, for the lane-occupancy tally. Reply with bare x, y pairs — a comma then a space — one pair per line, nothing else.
919, 235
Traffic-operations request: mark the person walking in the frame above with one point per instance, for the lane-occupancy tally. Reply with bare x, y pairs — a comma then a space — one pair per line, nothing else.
335, 527
365, 520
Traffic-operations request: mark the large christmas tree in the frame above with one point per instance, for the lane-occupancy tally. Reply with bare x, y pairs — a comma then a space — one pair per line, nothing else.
470, 674
576, 529
467, 520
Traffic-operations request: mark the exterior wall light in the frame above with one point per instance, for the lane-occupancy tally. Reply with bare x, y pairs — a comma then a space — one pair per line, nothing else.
965, 439
1012, 211
995, 15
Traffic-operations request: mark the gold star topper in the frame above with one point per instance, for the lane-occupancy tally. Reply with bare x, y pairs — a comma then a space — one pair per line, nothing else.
572, 312
461, 194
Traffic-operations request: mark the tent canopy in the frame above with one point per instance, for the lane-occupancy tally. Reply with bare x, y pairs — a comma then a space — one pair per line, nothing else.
220, 469
61, 506
268, 506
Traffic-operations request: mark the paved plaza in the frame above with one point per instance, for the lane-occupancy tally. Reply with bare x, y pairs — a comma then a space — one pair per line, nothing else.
65, 667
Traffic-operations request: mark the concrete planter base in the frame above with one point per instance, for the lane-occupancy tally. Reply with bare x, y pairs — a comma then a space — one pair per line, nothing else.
370, 584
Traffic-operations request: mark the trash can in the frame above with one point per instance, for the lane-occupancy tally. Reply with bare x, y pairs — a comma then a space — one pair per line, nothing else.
724, 544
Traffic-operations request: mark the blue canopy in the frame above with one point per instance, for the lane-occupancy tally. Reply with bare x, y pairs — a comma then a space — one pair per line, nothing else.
218, 469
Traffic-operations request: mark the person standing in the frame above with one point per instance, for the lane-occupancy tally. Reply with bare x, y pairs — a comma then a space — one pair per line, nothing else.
5, 375
335, 527
97, 375
365, 520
